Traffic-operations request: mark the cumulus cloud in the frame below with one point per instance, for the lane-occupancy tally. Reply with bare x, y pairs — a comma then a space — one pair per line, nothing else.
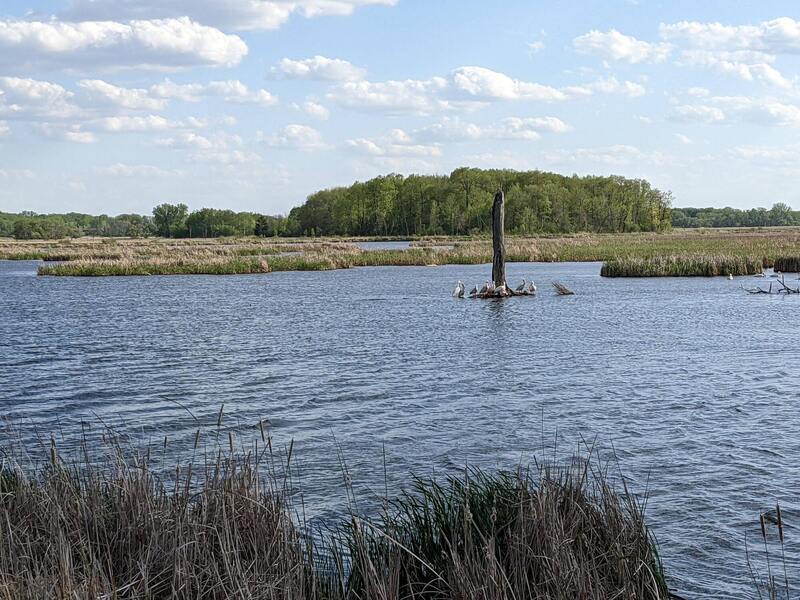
296, 137
101, 92
484, 84
615, 46
314, 110
319, 68
146, 44
220, 147
227, 14
397, 143
512, 128
65, 133
412, 96
762, 111
618, 155
5, 130
33, 99
778, 36
231, 90
134, 171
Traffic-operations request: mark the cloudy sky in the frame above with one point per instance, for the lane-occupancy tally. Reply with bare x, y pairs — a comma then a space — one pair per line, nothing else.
117, 105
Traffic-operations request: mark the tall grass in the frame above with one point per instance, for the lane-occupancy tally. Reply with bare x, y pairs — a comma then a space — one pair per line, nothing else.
788, 264
682, 266
90, 256
222, 526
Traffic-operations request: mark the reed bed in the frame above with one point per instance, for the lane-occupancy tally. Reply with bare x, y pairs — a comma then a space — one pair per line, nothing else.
93, 256
682, 266
788, 264
223, 526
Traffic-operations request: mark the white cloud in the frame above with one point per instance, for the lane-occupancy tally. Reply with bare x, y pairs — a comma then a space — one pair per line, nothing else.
134, 171
613, 45
512, 128
698, 113
222, 148
159, 44
778, 36
65, 133
616, 156
684, 139
16, 174
745, 64
24, 98
135, 124
698, 92
396, 144
233, 91
227, 14
314, 110
413, 96
612, 85
5, 130
297, 137
535, 47
101, 92
319, 68
481, 83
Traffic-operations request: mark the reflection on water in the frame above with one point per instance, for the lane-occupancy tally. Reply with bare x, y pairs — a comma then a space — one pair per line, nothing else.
692, 381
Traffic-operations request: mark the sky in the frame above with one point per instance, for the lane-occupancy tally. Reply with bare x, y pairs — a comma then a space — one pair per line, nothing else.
115, 106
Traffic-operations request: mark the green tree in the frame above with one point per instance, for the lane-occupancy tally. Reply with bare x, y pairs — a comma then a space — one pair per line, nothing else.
170, 219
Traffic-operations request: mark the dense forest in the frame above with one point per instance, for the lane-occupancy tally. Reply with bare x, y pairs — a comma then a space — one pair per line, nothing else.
536, 202
394, 205
779, 215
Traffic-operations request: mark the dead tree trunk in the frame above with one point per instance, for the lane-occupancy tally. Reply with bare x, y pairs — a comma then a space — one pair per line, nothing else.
498, 240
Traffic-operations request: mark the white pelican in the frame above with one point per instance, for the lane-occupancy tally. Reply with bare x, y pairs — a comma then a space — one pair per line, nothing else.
521, 287
459, 291
484, 289
502, 290
532, 288
474, 292
730, 276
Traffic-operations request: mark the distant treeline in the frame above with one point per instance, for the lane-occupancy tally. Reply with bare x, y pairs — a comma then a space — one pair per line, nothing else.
536, 202
394, 205
779, 215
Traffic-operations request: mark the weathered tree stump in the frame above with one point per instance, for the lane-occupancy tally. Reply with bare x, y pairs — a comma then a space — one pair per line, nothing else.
499, 241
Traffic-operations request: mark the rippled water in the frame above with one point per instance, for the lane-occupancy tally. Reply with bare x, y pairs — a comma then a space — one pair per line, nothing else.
692, 381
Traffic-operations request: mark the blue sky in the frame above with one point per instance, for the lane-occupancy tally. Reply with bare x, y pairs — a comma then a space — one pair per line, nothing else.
117, 105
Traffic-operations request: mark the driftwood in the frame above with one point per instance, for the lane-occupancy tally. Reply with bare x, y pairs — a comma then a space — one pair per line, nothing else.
562, 290
783, 289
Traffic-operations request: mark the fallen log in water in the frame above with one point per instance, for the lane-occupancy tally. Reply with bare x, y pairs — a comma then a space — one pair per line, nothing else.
562, 290
783, 289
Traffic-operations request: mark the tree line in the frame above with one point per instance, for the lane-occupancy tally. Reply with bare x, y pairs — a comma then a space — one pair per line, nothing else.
459, 204
779, 215
537, 202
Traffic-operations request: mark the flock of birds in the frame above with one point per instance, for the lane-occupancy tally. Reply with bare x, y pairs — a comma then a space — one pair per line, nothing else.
526, 287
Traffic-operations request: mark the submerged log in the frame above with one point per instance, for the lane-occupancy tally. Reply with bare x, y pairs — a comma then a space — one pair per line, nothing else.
562, 290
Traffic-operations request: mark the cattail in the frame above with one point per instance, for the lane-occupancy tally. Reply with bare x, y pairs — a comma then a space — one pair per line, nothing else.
763, 527
780, 521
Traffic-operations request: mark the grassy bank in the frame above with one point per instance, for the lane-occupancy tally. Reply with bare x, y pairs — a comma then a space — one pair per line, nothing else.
682, 266
223, 527
788, 264
94, 257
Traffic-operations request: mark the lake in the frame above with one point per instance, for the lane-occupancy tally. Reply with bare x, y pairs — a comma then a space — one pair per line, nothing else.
692, 381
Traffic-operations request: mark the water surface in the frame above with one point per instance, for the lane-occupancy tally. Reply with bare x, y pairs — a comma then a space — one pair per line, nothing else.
692, 381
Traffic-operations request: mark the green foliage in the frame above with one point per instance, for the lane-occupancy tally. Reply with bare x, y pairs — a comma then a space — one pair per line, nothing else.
779, 215
537, 202
788, 264
170, 219
682, 266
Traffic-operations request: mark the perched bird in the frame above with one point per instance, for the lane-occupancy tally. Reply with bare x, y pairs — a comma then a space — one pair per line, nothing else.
491, 287
474, 292
459, 291
532, 288
502, 290
521, 287
484, 289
